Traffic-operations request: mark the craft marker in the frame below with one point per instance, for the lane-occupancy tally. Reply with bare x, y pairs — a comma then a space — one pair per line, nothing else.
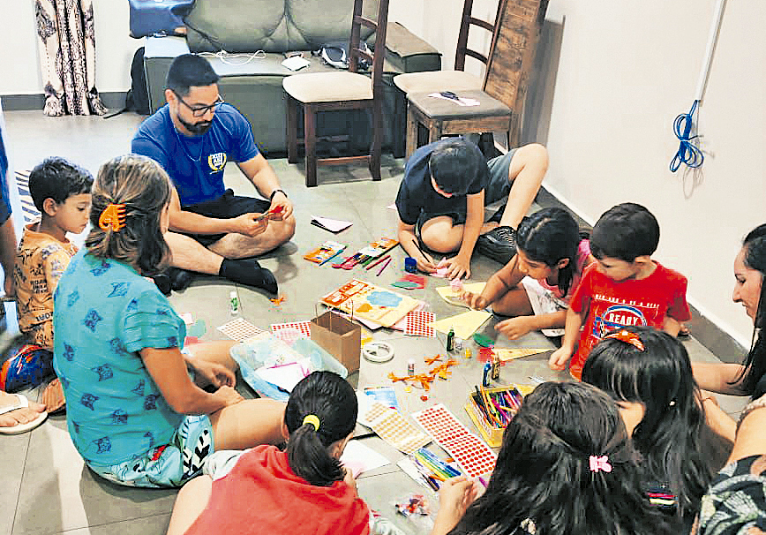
323, 262
384, 267
483, 482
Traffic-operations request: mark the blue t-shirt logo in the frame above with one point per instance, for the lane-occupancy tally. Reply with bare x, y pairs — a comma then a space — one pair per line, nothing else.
217, 161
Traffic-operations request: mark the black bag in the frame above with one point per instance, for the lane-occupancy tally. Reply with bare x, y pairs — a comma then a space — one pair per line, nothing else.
137, 98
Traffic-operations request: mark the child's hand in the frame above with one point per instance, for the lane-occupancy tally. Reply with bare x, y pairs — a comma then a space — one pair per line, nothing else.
458, 267
475, 301
515, 328
349, 478
559, 358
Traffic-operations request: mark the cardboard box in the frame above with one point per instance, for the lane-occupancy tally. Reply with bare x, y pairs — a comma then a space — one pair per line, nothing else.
339, 337
488, 430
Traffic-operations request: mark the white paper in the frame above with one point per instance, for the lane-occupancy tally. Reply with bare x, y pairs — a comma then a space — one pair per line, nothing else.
285, 376
296, 63
333, 225
357, 455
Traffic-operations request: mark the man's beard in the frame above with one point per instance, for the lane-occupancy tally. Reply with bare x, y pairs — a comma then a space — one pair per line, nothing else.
196, 129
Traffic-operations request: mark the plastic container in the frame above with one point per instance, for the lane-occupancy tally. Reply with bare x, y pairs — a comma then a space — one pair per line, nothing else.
253, 355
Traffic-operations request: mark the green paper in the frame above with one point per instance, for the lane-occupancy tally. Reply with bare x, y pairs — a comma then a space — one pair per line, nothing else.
483, 341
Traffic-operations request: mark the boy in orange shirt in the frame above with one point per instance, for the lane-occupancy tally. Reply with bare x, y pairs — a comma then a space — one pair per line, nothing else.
624, 287
61, 191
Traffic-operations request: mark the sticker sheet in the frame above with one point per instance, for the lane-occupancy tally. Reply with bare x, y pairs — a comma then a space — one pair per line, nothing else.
417, 324
240, 329
289, 332
392, 427
473, 455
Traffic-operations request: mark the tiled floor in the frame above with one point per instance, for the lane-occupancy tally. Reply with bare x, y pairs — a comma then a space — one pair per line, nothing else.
46, 488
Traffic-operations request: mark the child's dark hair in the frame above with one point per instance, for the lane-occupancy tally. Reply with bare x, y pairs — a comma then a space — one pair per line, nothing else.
543, 472
625, 232
189, 70
549, 236
331, 400
454, 163
754, 367
659, 377
58, 179
143, 187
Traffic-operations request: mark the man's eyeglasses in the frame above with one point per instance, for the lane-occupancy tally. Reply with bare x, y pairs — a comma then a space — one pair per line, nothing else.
201, 111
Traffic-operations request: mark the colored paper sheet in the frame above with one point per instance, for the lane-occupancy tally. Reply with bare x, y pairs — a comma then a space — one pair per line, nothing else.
446, 293
360, 458
517, 353
465, 324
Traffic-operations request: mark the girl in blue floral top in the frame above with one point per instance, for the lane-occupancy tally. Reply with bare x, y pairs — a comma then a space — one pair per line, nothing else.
134, 413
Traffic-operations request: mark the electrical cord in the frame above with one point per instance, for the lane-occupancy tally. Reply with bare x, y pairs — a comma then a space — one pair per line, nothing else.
688, 153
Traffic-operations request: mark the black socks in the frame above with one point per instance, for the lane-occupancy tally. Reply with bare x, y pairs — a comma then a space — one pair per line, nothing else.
249, 272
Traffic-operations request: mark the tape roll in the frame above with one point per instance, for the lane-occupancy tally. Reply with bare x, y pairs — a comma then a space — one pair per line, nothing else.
377, 351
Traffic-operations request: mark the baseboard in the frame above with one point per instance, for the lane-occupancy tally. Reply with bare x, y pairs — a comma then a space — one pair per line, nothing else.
114, 100
704, 330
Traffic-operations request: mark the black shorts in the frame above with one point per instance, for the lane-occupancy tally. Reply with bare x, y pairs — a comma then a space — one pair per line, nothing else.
227, 206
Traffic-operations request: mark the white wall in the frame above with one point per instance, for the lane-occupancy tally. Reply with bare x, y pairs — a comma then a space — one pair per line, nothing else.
614, 76
20, 63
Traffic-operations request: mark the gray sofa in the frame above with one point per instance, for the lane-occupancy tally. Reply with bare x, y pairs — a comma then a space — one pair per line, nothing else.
256, 34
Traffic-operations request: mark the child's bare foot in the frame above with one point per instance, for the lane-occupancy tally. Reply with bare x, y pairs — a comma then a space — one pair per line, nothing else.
17, 414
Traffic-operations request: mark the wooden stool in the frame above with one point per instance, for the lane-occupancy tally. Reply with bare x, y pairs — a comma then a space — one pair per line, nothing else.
440, 116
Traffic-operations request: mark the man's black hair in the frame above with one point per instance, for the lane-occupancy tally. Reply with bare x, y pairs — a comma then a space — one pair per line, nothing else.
189, 70
625, 232
454, 165
57, 179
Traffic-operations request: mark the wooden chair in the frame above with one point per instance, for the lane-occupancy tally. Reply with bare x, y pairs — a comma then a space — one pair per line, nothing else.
501, 97
336, 91
457, 79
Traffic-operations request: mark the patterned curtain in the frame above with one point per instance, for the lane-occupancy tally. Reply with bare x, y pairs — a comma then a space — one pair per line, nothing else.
67, 44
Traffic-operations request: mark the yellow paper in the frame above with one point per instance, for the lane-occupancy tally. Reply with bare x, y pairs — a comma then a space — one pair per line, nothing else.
445, 292
517, 353
465, 324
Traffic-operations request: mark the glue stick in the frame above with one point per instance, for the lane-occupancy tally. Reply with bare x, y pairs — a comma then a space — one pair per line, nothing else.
233, 303
411, 367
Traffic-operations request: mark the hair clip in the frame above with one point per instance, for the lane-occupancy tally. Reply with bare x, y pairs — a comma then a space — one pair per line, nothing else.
313, 420
112, 217
600, 464
624, 335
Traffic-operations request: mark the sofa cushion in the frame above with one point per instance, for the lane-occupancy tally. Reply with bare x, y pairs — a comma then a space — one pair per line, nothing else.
271, 25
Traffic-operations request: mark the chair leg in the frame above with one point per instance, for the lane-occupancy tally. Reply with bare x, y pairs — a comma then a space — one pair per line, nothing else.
434, 131
292, 130
310, 135
412, 134
377, 139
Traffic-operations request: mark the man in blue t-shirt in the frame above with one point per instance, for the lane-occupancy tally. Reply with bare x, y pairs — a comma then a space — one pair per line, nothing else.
441, 201
192, 138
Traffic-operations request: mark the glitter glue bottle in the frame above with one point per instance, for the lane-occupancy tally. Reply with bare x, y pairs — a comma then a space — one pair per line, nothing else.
451, 339
233, 303
486, 375
411, 367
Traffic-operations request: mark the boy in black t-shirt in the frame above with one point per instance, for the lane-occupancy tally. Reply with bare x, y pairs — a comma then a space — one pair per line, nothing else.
442, 197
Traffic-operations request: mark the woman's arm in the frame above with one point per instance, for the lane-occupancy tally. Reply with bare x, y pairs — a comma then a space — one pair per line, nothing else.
719, 377
168, 369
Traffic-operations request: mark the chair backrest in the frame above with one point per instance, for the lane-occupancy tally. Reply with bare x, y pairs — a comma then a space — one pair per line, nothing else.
512, 53
379, 53
466, 21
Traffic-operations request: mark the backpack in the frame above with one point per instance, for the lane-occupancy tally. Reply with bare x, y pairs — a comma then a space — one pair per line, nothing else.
336, 55
137, 98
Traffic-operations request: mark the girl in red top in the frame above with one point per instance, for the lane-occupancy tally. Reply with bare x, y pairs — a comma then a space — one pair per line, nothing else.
303, 489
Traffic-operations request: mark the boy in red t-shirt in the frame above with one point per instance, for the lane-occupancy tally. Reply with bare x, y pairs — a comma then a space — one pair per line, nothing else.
624, 287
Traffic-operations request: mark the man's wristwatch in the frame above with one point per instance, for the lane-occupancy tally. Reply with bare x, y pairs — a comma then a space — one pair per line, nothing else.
271, 198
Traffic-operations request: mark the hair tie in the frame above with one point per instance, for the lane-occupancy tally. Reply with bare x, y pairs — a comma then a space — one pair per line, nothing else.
112, 217
313, 420
628, 337
600, 464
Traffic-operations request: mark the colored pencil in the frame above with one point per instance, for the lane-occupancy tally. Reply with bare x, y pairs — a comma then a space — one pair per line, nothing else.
415, 241
323, 262
384, 267
378, 261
